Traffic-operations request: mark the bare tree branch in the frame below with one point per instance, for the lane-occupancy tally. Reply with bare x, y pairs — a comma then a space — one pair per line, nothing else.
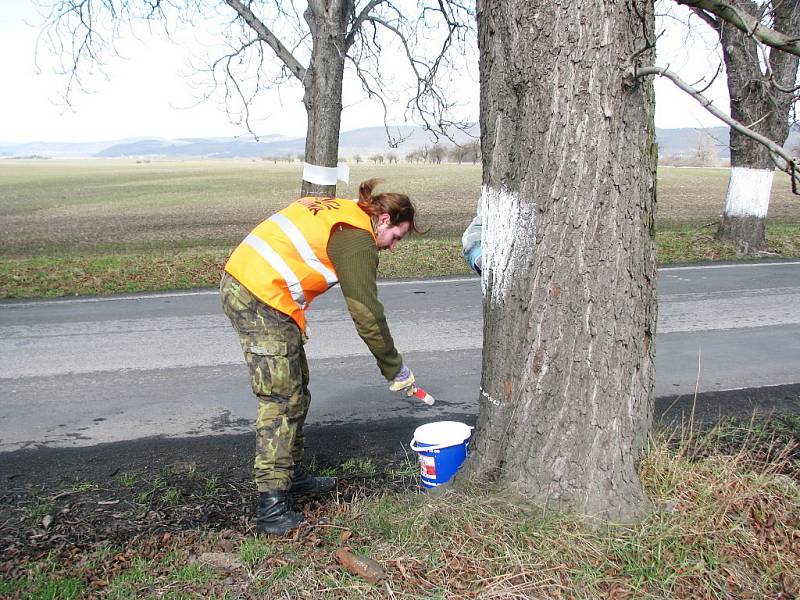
363, 76
750, 25
428, 103
265, 35
780, 88
232, 85
782, 159
712, 22
713, 79
358, 22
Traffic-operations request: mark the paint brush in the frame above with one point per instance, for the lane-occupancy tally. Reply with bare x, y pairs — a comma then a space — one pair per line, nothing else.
421, 394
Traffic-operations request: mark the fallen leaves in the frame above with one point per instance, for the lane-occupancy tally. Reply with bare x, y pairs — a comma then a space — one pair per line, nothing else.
345, 535
221, 561
366, 568
471, 550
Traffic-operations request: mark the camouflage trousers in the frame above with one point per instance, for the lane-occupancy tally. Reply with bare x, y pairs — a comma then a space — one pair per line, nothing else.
273, 349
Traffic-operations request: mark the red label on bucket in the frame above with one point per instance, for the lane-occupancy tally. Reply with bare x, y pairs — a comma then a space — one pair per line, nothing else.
427, 466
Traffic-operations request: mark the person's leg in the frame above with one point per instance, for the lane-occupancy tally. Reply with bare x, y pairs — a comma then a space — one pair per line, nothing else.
276, 376
298, 448
272, 345
302, 482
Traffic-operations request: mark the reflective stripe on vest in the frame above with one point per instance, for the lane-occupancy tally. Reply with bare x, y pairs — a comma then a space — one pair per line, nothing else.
284, 261
293, 233
274, 259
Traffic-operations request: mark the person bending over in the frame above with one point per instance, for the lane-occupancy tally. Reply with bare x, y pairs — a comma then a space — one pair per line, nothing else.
269, 281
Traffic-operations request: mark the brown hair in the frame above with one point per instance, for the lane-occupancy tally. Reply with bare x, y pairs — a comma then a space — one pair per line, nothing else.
397, 206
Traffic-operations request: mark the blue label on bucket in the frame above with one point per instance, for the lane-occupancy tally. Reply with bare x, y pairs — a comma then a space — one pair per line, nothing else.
440, 465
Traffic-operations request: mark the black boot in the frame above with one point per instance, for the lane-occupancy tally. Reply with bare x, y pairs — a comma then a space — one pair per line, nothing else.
274, 515
303, 483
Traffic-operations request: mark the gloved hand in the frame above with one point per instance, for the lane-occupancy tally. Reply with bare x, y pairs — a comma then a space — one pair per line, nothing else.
402, 381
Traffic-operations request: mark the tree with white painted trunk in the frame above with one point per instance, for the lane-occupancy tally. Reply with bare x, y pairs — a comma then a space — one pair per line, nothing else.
568, 201
312, 51
761, 82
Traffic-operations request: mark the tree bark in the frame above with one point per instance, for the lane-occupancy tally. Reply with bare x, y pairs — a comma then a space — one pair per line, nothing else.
568, 202
756, 102
327, 21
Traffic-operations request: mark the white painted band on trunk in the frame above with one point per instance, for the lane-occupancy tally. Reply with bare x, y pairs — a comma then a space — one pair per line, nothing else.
507, 239
326, 175
748, 192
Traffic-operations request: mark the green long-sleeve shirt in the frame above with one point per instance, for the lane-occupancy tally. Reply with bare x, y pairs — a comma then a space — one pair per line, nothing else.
355, 260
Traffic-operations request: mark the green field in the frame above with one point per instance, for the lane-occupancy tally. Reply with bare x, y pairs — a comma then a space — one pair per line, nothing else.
104, 226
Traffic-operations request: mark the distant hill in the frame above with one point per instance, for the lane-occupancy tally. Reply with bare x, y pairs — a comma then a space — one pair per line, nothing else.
365, 141
59, 149
202, 147
683, 141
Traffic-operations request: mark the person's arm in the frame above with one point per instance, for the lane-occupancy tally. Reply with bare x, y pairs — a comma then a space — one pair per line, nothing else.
355, 260
471, 244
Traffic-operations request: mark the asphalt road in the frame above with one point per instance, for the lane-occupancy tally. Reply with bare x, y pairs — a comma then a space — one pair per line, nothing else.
79, 372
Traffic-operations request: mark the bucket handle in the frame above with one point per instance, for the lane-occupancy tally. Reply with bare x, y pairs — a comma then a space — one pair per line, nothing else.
416, 448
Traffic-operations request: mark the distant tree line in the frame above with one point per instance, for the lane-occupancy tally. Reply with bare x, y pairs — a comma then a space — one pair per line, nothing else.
437, 153
289, 158
433, 154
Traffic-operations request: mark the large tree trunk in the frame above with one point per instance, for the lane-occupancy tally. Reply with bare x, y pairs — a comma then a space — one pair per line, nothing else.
568, 200
327, 21
757, 103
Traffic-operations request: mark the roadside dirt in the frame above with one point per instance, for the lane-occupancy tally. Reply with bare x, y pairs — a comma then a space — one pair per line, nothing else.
64, 499
55, 498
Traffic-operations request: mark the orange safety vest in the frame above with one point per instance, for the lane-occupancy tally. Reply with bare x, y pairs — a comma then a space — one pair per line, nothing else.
284, 261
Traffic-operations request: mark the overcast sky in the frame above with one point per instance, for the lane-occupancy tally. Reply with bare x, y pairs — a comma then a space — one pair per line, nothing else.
149, 93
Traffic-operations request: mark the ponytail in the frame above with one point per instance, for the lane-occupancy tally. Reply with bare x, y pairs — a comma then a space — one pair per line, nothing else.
365, 188
397, 206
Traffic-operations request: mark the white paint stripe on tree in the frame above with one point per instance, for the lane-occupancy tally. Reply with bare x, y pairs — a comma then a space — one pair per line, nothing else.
748, 192
508, 234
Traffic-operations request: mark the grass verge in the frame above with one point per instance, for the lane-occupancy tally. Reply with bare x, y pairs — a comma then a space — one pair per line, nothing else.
688, 245
726, 524
47, 277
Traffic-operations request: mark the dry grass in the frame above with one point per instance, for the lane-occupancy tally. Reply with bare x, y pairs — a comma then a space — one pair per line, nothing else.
102, 207
104, 226
697, 194
117, 206
726, 525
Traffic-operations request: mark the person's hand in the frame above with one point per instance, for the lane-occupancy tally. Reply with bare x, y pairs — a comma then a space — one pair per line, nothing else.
479, 264
403, 381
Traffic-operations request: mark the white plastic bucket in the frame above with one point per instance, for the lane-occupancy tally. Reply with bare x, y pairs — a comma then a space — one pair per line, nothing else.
442, 447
